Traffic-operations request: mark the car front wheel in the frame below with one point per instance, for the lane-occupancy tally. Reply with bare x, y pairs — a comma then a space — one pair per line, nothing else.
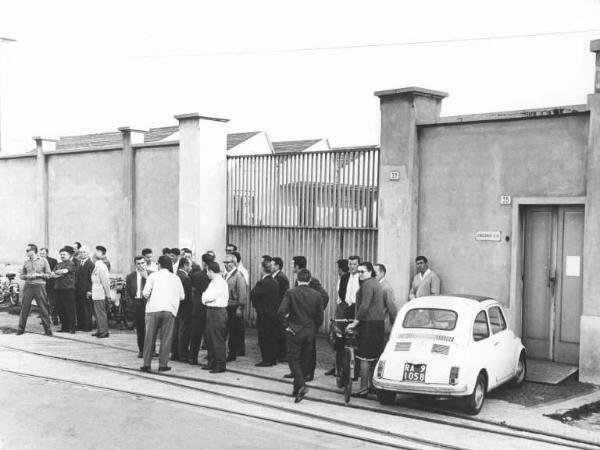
474, 402
386, 397
519, 378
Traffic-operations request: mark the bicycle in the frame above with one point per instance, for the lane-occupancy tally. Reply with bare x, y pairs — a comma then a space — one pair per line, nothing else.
118, 306
9, 289
345, 375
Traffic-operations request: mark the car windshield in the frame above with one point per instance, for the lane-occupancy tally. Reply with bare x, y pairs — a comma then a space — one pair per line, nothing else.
435, 319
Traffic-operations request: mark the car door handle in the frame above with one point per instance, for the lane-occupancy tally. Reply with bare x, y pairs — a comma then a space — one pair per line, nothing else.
496, 343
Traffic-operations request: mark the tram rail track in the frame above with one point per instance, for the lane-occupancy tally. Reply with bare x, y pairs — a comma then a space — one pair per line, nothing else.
473, 424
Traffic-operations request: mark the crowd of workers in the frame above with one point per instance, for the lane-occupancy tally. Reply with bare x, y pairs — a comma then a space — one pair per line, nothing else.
187, 305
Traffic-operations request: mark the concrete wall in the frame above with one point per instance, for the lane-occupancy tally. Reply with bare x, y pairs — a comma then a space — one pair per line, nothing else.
465, 168
85, 202
156, 197
19, 224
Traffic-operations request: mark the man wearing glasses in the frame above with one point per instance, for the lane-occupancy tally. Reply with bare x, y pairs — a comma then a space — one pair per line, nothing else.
35, 272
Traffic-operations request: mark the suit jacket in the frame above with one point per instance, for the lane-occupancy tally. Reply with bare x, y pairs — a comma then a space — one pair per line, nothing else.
315, 284
238, 289
185, 306
343, 286
301, 308
200, 282
83, 277
131, 286
265, 297
389, 304
52, 263
283, 283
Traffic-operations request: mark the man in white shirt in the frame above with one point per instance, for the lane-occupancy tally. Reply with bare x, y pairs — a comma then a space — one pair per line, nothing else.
353, 281
216, 298
426, 282
164, 291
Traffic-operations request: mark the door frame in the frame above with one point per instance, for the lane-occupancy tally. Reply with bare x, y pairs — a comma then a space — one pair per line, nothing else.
515, 310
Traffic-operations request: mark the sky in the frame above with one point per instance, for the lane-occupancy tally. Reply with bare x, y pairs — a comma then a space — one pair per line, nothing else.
93, 66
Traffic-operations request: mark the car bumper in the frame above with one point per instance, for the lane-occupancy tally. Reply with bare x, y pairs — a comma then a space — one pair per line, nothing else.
410, 387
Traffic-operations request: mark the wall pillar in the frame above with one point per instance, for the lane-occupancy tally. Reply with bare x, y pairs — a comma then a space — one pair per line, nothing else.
202, 220
589, 356
401, 110
42, 146
128, 248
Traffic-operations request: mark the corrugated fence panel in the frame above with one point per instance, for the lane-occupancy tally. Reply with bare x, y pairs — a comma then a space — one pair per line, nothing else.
322, 205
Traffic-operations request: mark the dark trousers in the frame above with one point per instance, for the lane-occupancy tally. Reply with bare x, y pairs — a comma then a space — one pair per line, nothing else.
299, 354
216, 327
53, 307
65, 308
84, 309
158, 323
197, 328
180, 347
37, 291
236, 333
267, 328
312, 365
139, 321
280, 342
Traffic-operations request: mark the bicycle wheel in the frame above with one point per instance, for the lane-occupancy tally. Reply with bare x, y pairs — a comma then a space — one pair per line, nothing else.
14, 298
127, 315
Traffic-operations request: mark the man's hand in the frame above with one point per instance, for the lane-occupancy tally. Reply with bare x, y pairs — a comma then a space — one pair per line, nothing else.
289, 330
239, 313
88, 295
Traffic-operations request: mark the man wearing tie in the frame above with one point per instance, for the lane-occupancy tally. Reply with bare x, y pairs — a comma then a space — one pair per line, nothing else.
134, 288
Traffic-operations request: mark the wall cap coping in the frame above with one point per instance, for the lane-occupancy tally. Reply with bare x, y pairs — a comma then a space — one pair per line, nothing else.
156, 144
195, 115
535, 113
412, 91
125, 129
18, 155
595, 45
40, 138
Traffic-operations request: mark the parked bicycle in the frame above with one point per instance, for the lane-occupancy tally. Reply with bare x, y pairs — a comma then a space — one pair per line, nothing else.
119, 309
345, 374
9, 289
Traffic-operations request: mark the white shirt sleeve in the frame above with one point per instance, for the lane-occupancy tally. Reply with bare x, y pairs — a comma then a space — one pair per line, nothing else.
148, 286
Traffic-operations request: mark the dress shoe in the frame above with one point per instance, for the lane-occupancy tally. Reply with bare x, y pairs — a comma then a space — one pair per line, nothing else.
330, 372
309, 377
361, 394
194, 362
164, 369
102, 335
301, 394
207, 367
95, 334
264, 364
140, 354
288, 375
62, 331
230, 358
145, 368
215, 370
20, 332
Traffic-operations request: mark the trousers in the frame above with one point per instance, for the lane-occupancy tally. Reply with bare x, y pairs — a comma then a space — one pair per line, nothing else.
37, 292
299, 353
267, 328
160, 324
84, 308
65, 308
101, 317
52, 303
197, 331
236, 332
216, 327
139, 321
180, 347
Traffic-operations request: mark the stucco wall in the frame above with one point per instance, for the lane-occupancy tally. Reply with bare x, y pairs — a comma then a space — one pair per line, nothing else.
18, 208
465, 168
85, 202
156, 197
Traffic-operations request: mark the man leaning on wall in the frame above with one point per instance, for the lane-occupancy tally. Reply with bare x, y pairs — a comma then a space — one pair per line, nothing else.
426, 282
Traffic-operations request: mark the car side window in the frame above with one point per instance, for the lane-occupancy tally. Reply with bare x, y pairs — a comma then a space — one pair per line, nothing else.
497, 321
481, 329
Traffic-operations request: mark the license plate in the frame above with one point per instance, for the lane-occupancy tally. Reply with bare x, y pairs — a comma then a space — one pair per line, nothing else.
414, 372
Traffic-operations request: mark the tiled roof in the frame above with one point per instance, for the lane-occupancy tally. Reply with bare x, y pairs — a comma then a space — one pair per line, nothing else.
293, 146
237, 138
158, 134
87, 141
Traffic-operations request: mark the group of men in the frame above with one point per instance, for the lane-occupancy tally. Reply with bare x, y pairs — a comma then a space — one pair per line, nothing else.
70, 292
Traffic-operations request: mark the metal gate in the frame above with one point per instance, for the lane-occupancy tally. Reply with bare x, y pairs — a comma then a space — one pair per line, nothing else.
322, 205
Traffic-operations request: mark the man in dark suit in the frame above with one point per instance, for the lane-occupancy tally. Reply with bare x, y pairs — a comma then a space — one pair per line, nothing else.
83, 285
134, 288
265, 299
238, 298
299, 263
180, 348
50, 285
200, 282
301, 314
284, 284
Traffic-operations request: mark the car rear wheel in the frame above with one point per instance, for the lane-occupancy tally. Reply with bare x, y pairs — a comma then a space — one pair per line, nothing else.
474, 402
386, 397
519, 378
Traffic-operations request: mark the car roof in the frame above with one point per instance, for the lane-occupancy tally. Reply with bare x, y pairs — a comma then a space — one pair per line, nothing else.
457, 302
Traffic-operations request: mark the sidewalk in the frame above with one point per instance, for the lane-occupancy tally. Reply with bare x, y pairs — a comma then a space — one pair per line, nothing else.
525, 407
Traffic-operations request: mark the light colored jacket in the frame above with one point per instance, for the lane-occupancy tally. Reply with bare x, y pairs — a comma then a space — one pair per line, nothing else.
238, 289
100, 281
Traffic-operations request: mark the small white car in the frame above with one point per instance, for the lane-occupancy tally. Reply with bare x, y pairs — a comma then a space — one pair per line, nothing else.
450, 346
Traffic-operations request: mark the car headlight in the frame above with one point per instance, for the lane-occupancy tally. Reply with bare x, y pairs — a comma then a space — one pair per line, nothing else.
380, 367
454, 371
